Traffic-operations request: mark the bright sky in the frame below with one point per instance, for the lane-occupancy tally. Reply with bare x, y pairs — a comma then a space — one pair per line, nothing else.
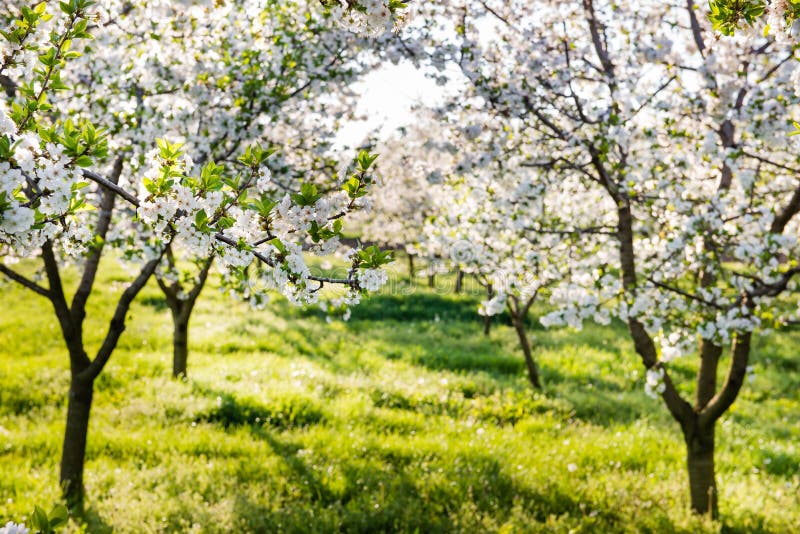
388, 95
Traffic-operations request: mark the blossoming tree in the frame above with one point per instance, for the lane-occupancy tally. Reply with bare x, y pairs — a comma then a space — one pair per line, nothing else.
678, 141
58, 195
285, 80
492, 216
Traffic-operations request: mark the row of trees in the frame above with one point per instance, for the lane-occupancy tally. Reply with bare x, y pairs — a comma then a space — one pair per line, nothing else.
620, 160
629, 164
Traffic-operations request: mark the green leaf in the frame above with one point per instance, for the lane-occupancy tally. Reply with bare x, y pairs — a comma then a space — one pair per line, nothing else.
39, 520
225, 222
201, 221
353, 188
365, 160
59, 516
263, 206
169, 151
308, 195
373, 258
83, 161
278, 244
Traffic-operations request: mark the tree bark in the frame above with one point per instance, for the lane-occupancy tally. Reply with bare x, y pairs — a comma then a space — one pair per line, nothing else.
700, 464
707, 373
530, 363
73, 455
180, 345
459, 280
180, 340
411, 268
487, 319
431, 280
181, 309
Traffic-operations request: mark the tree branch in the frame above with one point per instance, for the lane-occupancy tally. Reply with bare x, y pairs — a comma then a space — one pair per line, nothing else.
733, 382
600, 49
22, 280
685, 294
73, 337
108, 184
201, 281
696, 32
793, 170
786, 214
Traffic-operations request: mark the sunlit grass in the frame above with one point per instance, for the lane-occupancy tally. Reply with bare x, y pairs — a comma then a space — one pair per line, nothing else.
404, 419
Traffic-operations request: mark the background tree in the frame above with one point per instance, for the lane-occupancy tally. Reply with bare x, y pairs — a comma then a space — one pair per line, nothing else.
493, 216
411, 166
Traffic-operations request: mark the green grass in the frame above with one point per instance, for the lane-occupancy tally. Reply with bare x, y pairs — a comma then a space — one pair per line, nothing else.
405, 419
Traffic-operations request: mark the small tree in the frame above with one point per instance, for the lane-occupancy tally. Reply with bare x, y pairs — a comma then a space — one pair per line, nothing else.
492, 218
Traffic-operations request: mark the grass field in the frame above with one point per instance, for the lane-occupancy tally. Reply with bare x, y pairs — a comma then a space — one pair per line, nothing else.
404, 419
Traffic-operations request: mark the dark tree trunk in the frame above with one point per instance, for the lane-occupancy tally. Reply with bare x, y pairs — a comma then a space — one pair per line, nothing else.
530, 363
487, 319
459, 280
411, 268
700, 464
181, 309
73, 454
180, 340
707, 374
431, 280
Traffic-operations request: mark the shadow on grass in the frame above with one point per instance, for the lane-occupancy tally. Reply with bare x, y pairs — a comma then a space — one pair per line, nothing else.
282, 413
387, 491
417, 307
459, 353
92, 522
157, 302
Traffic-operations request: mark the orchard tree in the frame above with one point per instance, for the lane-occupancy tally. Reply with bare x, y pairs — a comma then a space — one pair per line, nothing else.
412, 166
53, 206
284, 81
493, 219
678, 141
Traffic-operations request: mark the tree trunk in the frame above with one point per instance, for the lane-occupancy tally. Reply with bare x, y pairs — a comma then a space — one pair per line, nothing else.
180, 345
707, 373
487, 319
411, 268
431, 280
459, 280
74, 451
181, 312
530, 363
700, 464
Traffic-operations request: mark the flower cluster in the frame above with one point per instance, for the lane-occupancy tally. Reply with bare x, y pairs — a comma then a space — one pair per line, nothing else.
14, 528
368, 17
193, 196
